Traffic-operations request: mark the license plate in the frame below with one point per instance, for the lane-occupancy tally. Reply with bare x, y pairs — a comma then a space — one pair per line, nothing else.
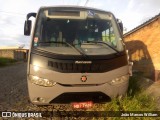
79, 105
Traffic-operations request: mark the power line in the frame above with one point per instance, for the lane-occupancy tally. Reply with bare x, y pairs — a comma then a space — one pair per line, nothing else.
78, 2
86, 2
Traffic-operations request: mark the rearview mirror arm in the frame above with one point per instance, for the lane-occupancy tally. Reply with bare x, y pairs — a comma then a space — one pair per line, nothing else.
30, 15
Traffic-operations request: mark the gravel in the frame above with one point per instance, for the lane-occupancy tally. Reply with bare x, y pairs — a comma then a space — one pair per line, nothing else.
14, 94
13, 87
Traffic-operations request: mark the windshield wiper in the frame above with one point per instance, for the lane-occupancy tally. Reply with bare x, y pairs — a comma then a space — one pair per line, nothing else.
53, 42
105, 44
81, 52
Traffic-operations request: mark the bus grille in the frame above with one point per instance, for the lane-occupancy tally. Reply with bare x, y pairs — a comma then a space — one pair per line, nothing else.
72, 67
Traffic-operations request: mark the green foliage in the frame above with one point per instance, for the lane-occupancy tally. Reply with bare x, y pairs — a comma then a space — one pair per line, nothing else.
135, 100
6, 61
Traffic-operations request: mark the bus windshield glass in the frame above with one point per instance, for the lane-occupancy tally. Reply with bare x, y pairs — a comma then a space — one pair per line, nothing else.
76, 32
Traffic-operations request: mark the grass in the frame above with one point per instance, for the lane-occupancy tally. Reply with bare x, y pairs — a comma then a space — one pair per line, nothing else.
6, 61
135, 100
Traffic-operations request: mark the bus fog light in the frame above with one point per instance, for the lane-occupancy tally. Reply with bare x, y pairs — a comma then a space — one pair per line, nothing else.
119, 80
42, 82
40, 99
54, 83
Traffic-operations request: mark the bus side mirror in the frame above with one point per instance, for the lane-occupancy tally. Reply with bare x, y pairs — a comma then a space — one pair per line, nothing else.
27, 27
120, 25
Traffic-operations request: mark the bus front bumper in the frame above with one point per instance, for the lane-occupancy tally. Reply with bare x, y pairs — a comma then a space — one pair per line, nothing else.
41, 95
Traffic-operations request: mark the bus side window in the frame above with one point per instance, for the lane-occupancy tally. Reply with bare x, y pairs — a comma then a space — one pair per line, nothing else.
109, 36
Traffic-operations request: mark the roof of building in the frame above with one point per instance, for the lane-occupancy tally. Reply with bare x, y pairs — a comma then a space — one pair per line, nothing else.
143, 24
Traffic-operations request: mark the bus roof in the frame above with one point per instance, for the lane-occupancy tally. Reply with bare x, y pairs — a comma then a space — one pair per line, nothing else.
75, 7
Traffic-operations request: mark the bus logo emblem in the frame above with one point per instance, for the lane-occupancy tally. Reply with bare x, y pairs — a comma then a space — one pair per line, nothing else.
83, 62
83, 78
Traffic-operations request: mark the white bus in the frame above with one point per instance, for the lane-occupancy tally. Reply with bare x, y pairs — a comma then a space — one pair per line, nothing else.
76, 52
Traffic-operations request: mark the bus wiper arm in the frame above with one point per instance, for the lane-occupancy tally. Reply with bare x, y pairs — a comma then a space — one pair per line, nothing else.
53, 42
105, 44
61, 42
81, 52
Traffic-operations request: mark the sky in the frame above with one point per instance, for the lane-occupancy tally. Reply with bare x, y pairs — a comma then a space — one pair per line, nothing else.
13, 14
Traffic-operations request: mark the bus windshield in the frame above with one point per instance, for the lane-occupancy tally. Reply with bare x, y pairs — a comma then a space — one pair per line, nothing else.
76, 32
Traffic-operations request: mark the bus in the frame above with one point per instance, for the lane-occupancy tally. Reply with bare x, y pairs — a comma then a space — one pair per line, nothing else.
77, 54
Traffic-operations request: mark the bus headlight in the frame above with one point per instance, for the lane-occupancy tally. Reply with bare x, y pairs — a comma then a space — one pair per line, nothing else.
41, 81
119, 80
35, 68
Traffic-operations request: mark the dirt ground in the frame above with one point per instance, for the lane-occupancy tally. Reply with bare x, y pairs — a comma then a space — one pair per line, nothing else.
13, 89
14, 95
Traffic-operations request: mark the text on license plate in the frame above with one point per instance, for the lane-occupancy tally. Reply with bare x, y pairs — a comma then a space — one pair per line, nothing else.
87, 104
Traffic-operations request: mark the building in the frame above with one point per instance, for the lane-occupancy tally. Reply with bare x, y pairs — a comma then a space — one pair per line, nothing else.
14, 53
143, 43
